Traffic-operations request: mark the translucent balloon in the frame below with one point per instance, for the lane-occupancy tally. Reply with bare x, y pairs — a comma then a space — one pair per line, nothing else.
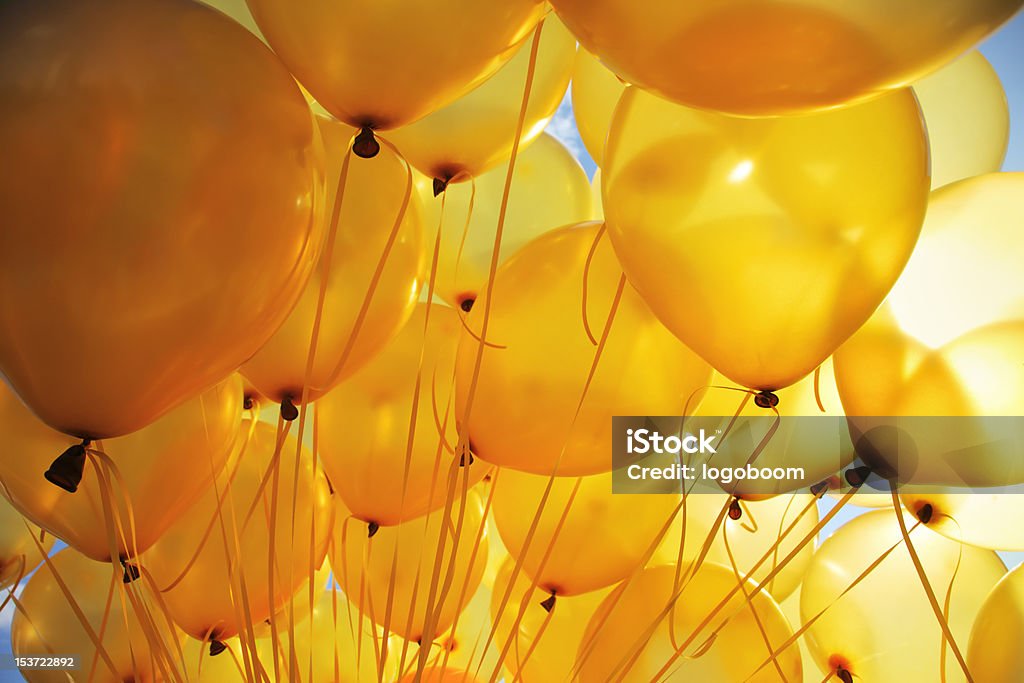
476, 132
135, 172
375, 190
202, 562
774, 527
947, 341
884, 628
383, 65
161, 470
549, 190
545, 643
562, 556
399, 563
751, 239
595, 92
756, 57
383, 473
525, 404
994, 654
974, 517
634, 631
47, 623
967, 118
19, 554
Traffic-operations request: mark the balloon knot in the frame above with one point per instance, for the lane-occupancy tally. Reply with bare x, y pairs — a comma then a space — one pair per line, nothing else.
467, 304
857, 476
735, 511
131, 571
365, 145
466, 458
371, 529
216, 647
844, 675
289, 413
549, 604
766, 399
925, 513
67, 470
818, 490
440, 186
330, 485
248, 403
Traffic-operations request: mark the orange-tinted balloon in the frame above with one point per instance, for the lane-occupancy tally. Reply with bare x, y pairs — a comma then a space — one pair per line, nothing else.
161, 470
19, 553
159, 209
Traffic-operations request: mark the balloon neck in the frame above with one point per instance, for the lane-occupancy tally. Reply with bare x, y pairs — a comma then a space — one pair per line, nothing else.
467, 304
131, 571
371, 529
67, 470
844, 675
466, 458
820, 489
766, 399
549, 604
289, 412
330, 485
440, 185
366, 145
216, 647
858, 476
248, 403
925, 513
735, 511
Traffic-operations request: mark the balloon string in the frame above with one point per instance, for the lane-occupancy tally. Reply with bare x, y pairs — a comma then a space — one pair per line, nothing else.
270, 517
817, 388
521, 662
926, 585
458, 260
283, 428
949, 594
806, 626
749, 599
528, 540
465, 230
808, 538
586, 281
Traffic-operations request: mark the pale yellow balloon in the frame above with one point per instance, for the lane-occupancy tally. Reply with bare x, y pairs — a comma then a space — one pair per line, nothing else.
977, 518
19, 554
769, 528
635, 631
374, 194
884, 629
994, 653
967, 117
754, 240
544, 645
530, 412
549, 189
791, 609
477, 131
595, 92
595, 193
47, 625
586, 538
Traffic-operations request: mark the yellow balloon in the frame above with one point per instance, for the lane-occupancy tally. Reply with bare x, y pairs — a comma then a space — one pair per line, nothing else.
595, 92
994, 654
200, 667
946, 343
476, 132
634, 632
968, 121
299, 606
545, 643
791, 609
533, 374
976, 518
198, 566
161, 470
364, 426
774, 528
374, 192
461, 647
47, 625
586, 538
19, 553
595, 193
819, 447
768, 57
365, 567
549, 189
753, 239
158, 229
386, 64
884, 628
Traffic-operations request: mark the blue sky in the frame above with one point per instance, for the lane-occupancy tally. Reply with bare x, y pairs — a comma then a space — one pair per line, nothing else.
1005, 51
